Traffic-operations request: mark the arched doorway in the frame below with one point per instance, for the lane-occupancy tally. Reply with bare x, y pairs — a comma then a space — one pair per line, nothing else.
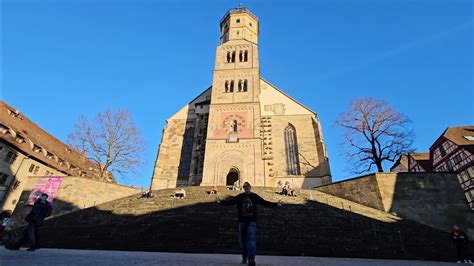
232, 176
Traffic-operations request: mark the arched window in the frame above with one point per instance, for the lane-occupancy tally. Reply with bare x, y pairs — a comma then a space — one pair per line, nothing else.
245, 85
233, 57
228, 57
240, 85
241, 56
291, 148
246, 56
231, 89
226, 86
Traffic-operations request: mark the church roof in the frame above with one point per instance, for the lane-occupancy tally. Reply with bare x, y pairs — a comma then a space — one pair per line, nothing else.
291, 98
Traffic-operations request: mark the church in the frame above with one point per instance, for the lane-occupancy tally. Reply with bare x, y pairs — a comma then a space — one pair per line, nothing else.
242, 128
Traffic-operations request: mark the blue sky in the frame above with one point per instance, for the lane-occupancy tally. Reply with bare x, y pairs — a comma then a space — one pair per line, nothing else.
63, 59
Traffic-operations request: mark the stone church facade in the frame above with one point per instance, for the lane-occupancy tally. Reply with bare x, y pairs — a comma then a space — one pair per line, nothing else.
242, 128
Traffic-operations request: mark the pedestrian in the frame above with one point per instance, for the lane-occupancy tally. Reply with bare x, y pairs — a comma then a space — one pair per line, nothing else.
460, 240
247, 219
4, 219
280, 185
41, 209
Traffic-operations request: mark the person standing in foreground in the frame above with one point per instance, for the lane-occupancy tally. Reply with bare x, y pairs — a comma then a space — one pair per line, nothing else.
247, 217
41, 209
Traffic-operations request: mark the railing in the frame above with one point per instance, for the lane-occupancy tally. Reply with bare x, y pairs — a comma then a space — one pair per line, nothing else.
238, 10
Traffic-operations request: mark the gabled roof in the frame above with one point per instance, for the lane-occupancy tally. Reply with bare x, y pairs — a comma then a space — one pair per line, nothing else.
420, 156
402, 160
289, 97
423, 159
457, 136
25, 135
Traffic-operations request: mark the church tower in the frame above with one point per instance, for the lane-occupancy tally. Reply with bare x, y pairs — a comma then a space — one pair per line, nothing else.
233, 145
242, 128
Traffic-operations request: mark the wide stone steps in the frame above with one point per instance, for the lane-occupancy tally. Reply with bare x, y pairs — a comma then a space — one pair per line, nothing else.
311, 224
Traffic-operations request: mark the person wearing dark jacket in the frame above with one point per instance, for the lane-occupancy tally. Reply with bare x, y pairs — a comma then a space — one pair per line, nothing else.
247, 217
41, 209
460, 240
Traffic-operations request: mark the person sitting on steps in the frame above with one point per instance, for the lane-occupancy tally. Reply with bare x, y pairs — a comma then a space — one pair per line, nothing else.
280, 185
146, 194
213, 190
288, 190
180, 193
235, 186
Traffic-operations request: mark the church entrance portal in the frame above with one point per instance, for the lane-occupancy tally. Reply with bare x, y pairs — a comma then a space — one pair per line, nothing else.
232, 176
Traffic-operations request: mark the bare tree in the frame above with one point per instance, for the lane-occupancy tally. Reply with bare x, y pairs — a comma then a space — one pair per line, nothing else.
111, 139
374, 133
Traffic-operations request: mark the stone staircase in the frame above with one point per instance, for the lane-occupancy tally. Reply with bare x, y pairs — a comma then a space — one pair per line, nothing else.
311, 224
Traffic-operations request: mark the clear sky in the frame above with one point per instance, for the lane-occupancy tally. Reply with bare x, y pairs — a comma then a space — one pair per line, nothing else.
63, 59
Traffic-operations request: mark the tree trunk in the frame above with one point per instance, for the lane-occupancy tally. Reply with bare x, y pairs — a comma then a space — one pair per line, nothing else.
379, 166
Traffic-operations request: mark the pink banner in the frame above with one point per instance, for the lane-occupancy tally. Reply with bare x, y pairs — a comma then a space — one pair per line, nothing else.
49, 186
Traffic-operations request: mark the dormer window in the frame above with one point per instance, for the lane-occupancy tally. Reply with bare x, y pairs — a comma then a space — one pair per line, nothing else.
12, 113
36, 148
3, 129
50, 156
20, 139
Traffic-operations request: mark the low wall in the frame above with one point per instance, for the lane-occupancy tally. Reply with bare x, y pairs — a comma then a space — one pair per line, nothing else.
434, 199
74, 193
363, 190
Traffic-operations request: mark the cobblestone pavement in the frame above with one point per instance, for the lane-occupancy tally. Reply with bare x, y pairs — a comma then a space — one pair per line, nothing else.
99, 257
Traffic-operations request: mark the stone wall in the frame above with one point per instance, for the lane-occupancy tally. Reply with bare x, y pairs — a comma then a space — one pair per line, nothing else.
434, 199
165, 173
75, 193
363, 190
